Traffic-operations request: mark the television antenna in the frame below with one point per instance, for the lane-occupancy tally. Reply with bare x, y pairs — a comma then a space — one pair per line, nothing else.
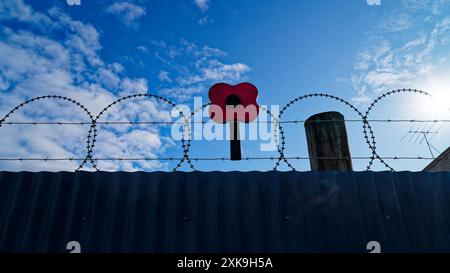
423, 133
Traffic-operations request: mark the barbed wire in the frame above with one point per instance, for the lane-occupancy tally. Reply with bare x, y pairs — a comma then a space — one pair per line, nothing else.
279, 136
217, 158
206, 122
93, 129
327, 96
55, 97
367, 126
186, 146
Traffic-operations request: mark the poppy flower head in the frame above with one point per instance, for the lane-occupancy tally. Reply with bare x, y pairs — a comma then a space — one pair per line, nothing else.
233, 102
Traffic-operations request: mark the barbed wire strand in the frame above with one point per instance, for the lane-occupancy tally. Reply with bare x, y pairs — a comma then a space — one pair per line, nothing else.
94, 132
186, 132
56, 97
106, 123
187, 147
370, 108
335, 98
218, 158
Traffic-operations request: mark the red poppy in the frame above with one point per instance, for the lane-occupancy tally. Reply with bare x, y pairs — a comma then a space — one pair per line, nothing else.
240, 99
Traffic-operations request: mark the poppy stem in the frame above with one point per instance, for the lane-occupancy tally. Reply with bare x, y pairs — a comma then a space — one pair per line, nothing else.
235, 142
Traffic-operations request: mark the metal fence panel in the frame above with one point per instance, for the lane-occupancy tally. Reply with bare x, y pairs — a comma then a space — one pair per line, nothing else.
225, 211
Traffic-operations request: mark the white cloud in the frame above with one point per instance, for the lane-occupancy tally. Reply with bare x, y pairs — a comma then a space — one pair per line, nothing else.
142, 49
34, 63
19, 11
203, 5
373, 2
73, 2
164, 76
397, 21
204, 20
127, 12
389, 61
416, 4
204, 67
217, 71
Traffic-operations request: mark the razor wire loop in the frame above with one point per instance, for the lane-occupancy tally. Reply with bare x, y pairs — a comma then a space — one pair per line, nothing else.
56, 97
201, 108
314, 95
278, 126
188, 145
372, 144
93, 132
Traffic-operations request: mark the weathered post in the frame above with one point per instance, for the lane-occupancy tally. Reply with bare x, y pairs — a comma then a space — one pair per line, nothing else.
327, 142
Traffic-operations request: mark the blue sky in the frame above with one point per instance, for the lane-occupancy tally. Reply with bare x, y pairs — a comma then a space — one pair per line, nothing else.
99, 51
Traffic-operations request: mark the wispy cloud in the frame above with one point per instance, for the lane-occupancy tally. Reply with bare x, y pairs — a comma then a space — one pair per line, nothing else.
203, 5
373, 2
396, 21
204, 20
142, 49
194, 68
19, 11
389, 61
126, 12
164, 76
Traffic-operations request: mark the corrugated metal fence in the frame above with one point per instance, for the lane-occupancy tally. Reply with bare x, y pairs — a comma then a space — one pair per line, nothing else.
224, 212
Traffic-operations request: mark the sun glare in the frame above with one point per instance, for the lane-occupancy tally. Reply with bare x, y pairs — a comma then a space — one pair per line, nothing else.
439, 87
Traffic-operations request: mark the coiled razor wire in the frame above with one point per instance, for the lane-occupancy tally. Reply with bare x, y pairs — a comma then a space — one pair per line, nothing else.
93, 129
186, 148
368, 132
367, 126
321, 95
55, 97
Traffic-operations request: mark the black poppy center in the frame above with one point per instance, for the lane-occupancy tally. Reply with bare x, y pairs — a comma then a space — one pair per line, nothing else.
233, 100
